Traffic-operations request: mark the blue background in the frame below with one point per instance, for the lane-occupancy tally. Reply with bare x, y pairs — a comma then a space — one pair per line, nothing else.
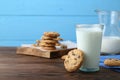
24, 21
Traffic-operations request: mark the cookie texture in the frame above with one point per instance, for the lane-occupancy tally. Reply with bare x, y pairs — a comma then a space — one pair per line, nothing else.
46, 38
51, 34
63, 57
51, 38
63, 46
58, 38
42, 44
112, 62
48, 41
73, 60
57, 44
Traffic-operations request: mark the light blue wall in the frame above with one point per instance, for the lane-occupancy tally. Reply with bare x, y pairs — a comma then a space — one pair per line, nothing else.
24, 21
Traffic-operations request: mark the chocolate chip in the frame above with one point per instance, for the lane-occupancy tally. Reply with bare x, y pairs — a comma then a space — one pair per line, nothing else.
75, 63
75, 58
68, 56
66, 61
78, 56
73, 54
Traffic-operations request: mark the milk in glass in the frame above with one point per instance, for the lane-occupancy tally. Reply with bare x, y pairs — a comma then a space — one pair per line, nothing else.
89, 38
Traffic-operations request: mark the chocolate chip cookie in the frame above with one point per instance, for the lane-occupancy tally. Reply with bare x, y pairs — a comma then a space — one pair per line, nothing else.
46, 38
42, 44
73, 60
51, 34
112, 62
48, 41
63, 57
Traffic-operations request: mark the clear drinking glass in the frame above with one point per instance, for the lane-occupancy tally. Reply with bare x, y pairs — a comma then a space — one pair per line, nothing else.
89, 38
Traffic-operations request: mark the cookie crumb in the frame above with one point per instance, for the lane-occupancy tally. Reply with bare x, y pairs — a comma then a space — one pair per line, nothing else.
63, 57
62, 46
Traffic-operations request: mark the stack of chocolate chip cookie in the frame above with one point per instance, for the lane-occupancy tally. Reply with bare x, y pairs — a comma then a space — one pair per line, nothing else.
49, 41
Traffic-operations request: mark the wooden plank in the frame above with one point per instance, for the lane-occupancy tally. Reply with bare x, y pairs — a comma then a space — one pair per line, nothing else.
42, 53
33, 52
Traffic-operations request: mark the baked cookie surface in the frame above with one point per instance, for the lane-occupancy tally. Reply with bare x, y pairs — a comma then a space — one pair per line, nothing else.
48, 41
51, 34
50, 38
46, 38
46, 44
63, 57
73, 60
112, 62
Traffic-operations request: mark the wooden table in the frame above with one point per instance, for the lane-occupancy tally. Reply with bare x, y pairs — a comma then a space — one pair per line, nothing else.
21, 67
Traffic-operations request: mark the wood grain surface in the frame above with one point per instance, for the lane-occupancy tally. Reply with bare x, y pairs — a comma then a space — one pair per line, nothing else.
21, 67
42, 53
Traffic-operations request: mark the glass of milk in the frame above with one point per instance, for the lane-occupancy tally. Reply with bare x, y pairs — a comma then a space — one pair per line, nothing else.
89, 38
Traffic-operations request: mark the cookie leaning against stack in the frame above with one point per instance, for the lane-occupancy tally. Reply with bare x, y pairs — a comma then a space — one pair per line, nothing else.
49, 40
73, 60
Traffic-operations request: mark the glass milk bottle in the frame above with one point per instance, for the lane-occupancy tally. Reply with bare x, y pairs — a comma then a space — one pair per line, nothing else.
111, 32
89, 38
